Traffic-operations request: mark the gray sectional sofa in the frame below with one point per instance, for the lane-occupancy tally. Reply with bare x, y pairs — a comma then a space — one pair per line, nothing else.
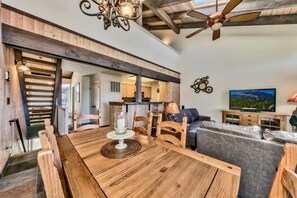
194, 120
244, 147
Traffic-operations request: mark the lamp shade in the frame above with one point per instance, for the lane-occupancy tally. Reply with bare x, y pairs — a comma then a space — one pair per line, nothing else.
172, 108
293, 98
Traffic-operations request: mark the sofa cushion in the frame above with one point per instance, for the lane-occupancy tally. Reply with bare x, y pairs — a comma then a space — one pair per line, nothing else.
195, 114
280, 136
188, 114
176, 117
192, 129
245, 131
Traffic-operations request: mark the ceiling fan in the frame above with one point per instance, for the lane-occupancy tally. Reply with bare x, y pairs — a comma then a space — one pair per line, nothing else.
217, 19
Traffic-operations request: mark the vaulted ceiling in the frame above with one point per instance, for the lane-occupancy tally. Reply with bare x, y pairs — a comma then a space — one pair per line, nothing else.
172, 14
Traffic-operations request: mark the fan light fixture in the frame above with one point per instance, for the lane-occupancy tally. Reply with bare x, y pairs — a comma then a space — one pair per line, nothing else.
216, 26
113, 12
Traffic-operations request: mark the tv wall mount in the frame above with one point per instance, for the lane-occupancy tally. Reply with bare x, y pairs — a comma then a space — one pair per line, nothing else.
201, 84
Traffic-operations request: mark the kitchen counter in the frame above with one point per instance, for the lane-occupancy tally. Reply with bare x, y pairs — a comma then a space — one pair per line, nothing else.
142, 109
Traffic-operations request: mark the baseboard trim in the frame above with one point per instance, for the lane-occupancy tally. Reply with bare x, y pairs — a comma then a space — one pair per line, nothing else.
5, 166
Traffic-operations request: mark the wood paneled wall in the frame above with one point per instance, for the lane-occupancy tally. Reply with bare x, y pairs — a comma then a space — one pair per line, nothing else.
31, 24
5, 131
173, 92
9, 89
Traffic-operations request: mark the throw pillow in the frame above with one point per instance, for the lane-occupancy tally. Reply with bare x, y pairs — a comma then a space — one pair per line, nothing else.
280, 136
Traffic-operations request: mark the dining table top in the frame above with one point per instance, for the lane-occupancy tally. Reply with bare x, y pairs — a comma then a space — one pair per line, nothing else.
159, 169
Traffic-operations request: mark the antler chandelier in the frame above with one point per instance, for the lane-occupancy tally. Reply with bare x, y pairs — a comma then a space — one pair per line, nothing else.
115, 12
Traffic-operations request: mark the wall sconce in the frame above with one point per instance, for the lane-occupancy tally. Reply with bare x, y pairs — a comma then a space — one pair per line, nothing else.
22, 65
6, 76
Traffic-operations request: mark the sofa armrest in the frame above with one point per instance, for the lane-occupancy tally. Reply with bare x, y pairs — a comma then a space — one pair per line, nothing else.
204, 118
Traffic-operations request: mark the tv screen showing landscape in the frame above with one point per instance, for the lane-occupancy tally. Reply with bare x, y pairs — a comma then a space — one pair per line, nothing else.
253, 99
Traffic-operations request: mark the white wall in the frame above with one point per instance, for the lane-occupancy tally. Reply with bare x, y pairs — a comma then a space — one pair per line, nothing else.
155, 96
106, 95
244, 58
77, 78
67, 13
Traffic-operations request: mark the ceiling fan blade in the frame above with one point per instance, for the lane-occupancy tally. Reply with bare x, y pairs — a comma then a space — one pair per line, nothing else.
196, 32
197, 15
230, 6
244, 17
216, 34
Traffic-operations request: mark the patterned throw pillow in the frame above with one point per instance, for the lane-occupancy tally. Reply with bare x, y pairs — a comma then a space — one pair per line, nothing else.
280, 136
245, 131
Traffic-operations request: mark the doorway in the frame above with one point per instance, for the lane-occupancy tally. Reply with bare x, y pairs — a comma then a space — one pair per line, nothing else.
95, 97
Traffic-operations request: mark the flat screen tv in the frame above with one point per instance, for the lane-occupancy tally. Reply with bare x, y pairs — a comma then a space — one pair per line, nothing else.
252, 99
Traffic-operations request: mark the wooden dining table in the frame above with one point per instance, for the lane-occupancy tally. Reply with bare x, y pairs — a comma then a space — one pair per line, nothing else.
159, 169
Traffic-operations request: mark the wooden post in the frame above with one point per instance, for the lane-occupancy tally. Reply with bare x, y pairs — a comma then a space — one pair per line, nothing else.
138, 89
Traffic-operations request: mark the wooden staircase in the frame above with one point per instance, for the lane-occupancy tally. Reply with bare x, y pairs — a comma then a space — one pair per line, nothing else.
40, 87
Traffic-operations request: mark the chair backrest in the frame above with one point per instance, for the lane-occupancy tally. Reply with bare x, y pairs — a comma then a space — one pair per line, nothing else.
49, 174
146, 121
77, 120
285, 180
48, 134
168, 130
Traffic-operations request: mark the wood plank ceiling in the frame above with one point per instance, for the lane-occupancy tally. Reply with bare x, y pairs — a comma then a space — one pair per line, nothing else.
172, 14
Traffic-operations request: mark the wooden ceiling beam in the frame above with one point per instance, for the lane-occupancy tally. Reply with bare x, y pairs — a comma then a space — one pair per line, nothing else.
164, 3
245, 6
173, 16
161, 14
264, 20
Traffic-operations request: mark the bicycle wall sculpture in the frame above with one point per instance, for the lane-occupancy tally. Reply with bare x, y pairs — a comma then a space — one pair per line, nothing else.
201, 84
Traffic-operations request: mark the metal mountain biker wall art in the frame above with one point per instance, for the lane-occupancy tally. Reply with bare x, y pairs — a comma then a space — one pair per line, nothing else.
201, 84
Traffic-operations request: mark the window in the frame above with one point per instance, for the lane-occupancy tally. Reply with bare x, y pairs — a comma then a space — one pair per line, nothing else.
115, 86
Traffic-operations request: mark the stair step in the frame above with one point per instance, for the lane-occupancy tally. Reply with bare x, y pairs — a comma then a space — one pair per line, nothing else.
39, 118
39, 84
39, 96
39, 101
40, 105
40, 90
39, 61
45, 71
36, 121
39, 77
40, 114
39, 110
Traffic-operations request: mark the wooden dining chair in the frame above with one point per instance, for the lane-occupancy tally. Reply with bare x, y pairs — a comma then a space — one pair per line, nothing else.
285, 180
169, 130
145, 121
49, 174
48, 141
78, 120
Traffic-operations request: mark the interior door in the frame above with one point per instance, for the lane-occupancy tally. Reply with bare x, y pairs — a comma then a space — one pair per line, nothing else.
95, 98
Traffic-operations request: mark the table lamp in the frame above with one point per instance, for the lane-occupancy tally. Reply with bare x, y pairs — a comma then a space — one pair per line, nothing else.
171, 110
293, 119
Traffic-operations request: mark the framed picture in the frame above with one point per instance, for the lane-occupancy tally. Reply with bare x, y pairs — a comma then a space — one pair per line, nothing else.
77, 92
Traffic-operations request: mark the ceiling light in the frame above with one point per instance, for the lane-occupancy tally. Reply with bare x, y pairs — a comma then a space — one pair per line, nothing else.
113, 12
22, 65
216, 26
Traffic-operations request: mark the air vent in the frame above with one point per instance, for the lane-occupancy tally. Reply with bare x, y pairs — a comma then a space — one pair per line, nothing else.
115, 86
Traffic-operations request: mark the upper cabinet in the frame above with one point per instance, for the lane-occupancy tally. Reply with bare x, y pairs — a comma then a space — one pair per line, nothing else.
129, 89
147, 92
